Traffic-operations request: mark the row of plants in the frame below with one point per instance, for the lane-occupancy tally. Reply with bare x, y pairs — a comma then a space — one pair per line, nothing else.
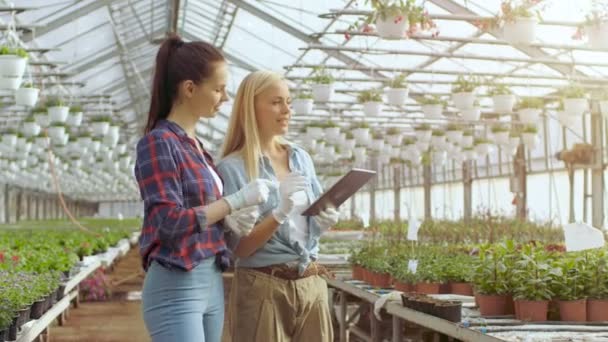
36, 257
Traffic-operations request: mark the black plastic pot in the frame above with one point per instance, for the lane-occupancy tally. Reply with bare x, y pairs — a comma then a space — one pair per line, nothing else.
37, 309
12, 330
451, 311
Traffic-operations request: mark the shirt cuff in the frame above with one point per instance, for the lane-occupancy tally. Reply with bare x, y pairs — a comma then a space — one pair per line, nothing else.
201, 218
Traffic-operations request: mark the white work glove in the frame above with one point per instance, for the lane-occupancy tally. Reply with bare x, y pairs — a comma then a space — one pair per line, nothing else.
241, 222
292, 183
327, 218
255, 192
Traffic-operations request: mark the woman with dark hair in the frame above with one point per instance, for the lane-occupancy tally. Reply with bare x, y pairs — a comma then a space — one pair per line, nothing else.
182, 242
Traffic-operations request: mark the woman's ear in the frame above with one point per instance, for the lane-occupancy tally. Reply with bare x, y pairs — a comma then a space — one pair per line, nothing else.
187, 88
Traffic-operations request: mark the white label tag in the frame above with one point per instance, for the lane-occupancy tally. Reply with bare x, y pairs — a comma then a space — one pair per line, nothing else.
412, 228
412, 266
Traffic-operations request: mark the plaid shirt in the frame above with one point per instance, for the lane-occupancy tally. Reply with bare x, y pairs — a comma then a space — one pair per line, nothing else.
175, 182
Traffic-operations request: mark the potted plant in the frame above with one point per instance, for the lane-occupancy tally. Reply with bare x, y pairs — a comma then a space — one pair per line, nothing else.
9, 137
467, 138
483, 146
423, 132
57, 110
432, 106
27, 95
322, 85
597, 303
503, 98
303, 103
458, 272
41, 116
532, 276
394, 136
603, 100
429, 275
372, 102
454, 133
377, 141
100, 125
361, 132
571, 286
595, 27
463, 92
438, 138
30, 127
574, 100
530, 109
314, 130
332, 131
360, 153
519, 22
501, 134
349, 141
528, 136
393, 19
492, 279
397, 92
12, 66
75, 116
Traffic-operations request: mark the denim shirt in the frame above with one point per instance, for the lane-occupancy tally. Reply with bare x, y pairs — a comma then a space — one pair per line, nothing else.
281, 248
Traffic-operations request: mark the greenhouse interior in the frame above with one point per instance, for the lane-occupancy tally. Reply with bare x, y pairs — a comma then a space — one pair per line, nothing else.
303, 171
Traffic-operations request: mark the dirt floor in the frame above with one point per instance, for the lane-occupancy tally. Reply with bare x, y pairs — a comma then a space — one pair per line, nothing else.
118, 320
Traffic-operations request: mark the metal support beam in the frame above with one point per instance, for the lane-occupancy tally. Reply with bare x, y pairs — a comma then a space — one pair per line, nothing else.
467, 180
427, 175
397, 171
519, 166
597, 172
173, 16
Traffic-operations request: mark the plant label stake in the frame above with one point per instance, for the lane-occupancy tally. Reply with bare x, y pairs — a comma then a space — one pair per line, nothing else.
581, 236
412, 266
412, 229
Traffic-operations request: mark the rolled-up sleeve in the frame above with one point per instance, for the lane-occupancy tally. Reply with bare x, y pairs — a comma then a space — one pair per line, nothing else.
158, 177
233, 174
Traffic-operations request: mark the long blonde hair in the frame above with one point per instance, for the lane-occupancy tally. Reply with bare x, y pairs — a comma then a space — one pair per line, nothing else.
243, 134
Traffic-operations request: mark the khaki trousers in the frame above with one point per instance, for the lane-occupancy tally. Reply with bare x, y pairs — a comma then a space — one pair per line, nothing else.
264, 308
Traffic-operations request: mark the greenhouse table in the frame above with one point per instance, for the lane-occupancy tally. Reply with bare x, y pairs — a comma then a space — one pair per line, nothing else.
33, 329
399, 314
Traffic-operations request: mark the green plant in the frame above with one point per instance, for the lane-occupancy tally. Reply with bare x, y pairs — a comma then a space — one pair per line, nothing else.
393, 131
530, 129
431, 100
598, 274
349, 135
27, 85
533, 274
510, 11
321, 76
361, 124
57, 124
6, 50
465, 85
575, 276
304, 95
438, 133
423, 127
479, 141
29, 118
39, 110
377, 136
573, 91
103, 118
398, 82
9, 130
371, 95
454, 127
75, 109
531, 102
409, 141
499, 89
500, 128
597, 16
493, 269
467, 133
55, 102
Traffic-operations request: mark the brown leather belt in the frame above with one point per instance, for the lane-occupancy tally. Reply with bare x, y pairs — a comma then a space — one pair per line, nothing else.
288, 273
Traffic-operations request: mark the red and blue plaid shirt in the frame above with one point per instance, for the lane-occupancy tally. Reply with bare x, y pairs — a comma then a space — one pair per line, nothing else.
175, 183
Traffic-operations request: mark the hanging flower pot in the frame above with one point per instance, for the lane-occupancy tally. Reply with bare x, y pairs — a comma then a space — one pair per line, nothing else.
9, 138
101, 125
393, 137
361, 133
322, 92
423, 133
95, 145
467, 139
463, 100
531, 108
483, 149
576, 106
10, 82
27, 95
503, 103
377, 142
315, 131
454, 136
438, 138
422, 146
597, 35
471, 114
391, 25
396, 96
529, 136
57, 110
360, 152
332, 132
303, 104
349, 144
604, 108
12, 61
75, 116
521, 30
432, 111
501, 134
372, 102
568, 120
30, 127
372, 108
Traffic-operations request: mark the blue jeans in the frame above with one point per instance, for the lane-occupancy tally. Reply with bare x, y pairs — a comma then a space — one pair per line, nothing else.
184, 306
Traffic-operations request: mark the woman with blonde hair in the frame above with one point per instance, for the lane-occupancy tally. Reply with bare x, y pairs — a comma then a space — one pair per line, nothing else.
278, 287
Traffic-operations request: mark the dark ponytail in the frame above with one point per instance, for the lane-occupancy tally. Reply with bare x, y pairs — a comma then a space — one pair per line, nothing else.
176, 62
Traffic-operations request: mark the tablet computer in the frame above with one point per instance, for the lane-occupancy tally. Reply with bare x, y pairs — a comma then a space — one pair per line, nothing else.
344, 188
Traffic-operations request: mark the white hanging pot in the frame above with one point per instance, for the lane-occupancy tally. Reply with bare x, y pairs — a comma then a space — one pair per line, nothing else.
502, 138
377, 144
322, 92
432, 111
520, 31
349, 144
9, 140
100, 128
529, 140
454, 136
437, 141
372, 108
439, 157
394, 152
10, 82
74, 119
604, 108
359, 152
396, 96
332, 133
361, 135
314, 132
424, 136
56, 133
469, 154
471, 114
25, 147
58, 113
42, 119
12, 65
467, 141
568, 120
121, 148
529, 115
77, 163
576, 106
463, 100
394, 139
26, 96
483, 149
503, 103
302, 106
391, 27
422, 146
597, 35
95, 145
31, 129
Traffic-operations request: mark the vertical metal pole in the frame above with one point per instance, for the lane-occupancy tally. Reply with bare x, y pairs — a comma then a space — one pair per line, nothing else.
397, 192
427, 192
467, 179
519, 165
597, 173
